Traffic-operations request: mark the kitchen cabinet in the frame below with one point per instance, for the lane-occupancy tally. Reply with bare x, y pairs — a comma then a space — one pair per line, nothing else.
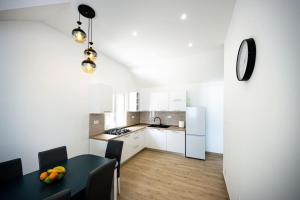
144, 100
133, 143
177, 100
152, 100
176, 141
100, 98
156, 139
133, 101
159, 101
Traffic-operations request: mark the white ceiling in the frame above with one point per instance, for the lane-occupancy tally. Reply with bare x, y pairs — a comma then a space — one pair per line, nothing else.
159, 54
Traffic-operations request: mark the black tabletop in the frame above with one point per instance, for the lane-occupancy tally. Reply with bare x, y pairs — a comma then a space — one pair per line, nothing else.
30, 187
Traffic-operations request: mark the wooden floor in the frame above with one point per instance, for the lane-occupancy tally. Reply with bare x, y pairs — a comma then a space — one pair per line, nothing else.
164, 176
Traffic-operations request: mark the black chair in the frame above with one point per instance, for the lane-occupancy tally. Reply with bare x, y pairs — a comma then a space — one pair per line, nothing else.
99, 183
52, 156
114, 150
10, 170
62, 195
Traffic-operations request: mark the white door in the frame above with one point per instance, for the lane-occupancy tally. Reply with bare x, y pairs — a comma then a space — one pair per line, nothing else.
195, 146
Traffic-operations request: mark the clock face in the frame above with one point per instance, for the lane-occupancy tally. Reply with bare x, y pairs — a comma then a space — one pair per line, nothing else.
245, 60
242, 60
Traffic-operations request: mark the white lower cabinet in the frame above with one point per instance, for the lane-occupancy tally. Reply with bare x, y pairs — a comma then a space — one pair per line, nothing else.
156, 139
133, 143
176, 141
165, 140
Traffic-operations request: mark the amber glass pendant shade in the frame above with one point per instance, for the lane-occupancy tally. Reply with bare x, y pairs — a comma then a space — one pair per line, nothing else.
79, 35
90, 53
88, 66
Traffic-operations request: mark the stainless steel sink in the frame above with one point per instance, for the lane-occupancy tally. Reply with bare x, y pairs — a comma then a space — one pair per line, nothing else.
159, 126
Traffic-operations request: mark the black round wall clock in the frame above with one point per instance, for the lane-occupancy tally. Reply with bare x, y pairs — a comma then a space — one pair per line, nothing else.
246, 59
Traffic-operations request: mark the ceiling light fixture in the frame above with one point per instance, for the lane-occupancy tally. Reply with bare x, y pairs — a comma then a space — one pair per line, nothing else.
183, 16
78, 34
134, 33
88, 64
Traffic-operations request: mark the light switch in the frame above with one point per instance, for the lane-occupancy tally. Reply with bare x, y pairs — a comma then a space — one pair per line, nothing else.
96, 122
169, 116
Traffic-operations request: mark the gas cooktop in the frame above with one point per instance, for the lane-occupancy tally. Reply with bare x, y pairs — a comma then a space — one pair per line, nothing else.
117, 131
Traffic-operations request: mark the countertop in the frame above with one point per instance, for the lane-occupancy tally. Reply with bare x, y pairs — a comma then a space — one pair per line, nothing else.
105, 137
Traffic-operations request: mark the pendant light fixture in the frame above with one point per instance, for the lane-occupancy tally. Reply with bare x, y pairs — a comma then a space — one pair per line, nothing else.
90, 52
78, 34
88, 64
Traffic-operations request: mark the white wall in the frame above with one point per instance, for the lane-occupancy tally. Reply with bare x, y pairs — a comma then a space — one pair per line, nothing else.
261, 116
205, 66
44, 93
210, 96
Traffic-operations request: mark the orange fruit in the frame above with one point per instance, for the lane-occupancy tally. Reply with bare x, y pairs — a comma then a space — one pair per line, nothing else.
43, 175
53, 176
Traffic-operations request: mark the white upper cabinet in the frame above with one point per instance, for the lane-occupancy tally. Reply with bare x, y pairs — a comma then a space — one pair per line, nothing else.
151, 100
177, 100
159, 101
100, 98
133, 101
144, 100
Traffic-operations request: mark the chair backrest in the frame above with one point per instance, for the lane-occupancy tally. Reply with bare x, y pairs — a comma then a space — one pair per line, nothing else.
52, 156
62, 195
10, 170
99, 183
114, 150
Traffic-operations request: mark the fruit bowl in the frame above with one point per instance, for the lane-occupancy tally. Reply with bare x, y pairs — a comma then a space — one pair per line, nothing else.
52, 175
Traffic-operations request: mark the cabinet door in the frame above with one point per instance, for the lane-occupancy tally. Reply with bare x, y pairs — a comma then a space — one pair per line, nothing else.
98, 147
133, 102
138, 142
176, 141
127, 146
159, 101
156, 139
177, 101
144, 100
100, 98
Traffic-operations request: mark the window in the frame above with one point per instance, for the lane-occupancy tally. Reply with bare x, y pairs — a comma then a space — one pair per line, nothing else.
118, 117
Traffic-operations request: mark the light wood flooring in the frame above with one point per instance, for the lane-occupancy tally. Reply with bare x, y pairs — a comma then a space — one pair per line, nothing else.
152, 175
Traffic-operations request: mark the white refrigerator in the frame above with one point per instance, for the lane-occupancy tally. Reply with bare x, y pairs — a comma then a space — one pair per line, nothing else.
195, 133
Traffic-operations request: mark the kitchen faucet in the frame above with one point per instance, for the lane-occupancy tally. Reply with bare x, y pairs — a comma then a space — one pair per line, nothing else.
157, 118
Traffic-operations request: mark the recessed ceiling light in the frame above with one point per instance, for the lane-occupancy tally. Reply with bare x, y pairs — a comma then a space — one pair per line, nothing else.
190, 44
183, 16
134, 33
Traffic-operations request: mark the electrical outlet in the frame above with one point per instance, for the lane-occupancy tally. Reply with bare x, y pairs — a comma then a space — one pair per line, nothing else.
96, 122
132, 116
169, 116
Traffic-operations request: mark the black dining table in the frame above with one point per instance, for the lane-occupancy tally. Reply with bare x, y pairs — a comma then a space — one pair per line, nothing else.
30, 187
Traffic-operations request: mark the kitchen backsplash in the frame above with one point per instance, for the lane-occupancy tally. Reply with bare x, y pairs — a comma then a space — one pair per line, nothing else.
133, 118
96, 124
167, 117
97, 121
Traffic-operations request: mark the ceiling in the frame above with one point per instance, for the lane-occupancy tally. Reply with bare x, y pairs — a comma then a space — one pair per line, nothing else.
160, 53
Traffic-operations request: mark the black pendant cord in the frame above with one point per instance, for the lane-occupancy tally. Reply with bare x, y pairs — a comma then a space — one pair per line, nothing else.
79, 22
91, 42
89, 33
